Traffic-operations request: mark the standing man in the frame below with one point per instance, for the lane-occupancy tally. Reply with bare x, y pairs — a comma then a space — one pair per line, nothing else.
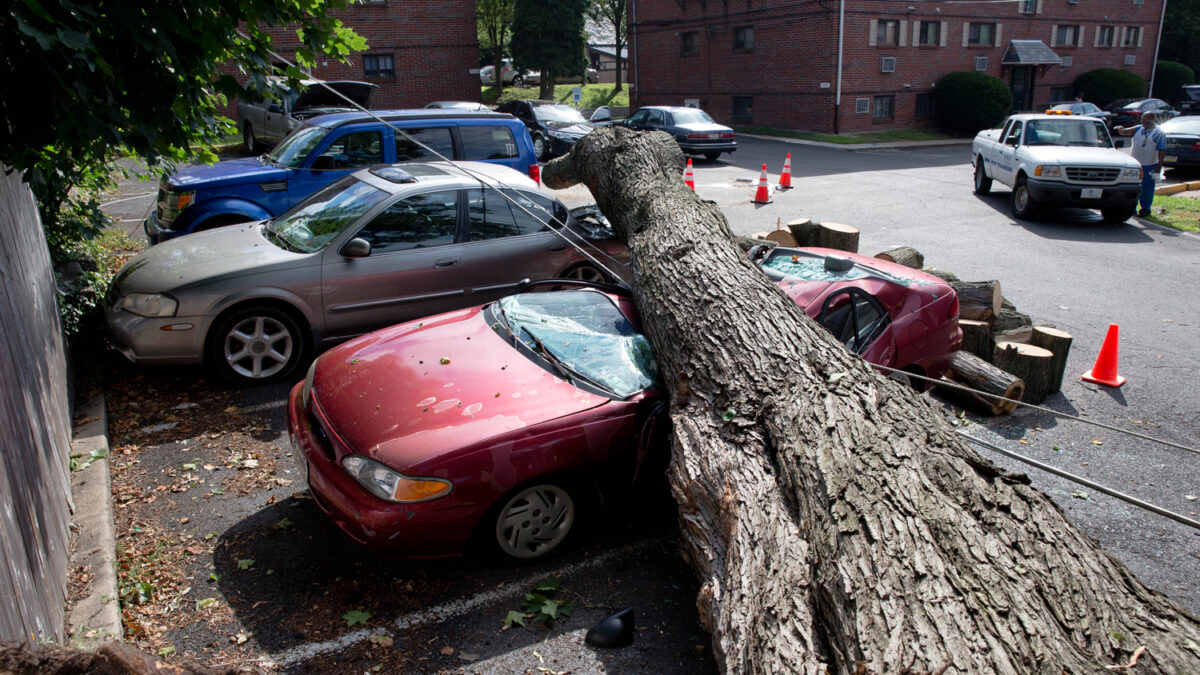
1149, 145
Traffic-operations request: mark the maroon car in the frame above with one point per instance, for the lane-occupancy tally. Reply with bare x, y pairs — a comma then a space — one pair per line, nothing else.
500, 424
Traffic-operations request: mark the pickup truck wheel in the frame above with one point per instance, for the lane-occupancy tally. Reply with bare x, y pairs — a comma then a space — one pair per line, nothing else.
983, 184
1117, 214
1023, 206
251, 141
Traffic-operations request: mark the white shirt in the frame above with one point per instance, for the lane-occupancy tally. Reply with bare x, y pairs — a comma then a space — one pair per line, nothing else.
1147, 143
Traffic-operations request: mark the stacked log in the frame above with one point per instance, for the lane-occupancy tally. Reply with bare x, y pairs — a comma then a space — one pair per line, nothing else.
977, 337
974, 372
903, 255
1030, 363
978, 300
824, 235
1059, 344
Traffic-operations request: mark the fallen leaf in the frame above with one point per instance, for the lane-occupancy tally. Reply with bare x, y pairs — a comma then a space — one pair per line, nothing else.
447, 650
354, 617
1097, 442
1190, 498
245, 563
382, 640
205, 603
469, 657
167, 651
445, 361
1079, 494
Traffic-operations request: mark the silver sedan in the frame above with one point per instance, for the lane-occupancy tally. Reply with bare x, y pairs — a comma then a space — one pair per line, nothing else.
379, 247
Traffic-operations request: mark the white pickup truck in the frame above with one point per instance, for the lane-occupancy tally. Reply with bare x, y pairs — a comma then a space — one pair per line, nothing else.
1057, 160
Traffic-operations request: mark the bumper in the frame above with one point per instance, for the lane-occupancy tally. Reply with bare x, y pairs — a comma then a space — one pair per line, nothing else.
702, 148
155, 232
424, 530
1061, 194
1180, 159
147, 341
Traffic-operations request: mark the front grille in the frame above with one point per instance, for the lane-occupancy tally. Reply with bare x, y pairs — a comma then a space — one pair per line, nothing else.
320, 437
1089, 174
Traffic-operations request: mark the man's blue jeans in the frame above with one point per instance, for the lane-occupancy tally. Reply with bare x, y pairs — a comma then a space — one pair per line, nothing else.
1147, 196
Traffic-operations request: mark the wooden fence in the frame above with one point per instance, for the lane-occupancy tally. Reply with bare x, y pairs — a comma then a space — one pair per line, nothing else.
35, 432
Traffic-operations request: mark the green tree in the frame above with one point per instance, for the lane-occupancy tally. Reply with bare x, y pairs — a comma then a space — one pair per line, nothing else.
967, 101
493, 18
611, 13
81, 79
548, 36
1103, 85
1169, 76
1181, 34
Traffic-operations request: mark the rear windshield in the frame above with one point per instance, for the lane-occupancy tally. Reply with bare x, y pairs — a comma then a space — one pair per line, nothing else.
1192, 92
487, 142
692, 117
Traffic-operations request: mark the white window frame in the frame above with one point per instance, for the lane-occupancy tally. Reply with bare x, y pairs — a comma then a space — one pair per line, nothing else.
981, 63
887, 64
862, 105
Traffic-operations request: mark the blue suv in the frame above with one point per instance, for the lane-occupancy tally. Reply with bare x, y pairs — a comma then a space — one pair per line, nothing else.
326, 148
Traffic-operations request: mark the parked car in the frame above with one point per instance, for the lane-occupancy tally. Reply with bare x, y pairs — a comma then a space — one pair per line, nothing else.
458, 105
1183, 142
510, 75
1129, 113
554, 127
498, 425
380, 246
1081, 108
592, 76
1189, 100
265, 123
324, 149
1052, 160
693, 129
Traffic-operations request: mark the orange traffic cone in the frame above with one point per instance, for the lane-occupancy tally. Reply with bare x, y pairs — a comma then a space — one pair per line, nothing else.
785, 178
763, 195
687, 176
1105, 370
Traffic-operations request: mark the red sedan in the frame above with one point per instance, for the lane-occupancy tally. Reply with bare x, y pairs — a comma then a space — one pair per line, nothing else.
499, 424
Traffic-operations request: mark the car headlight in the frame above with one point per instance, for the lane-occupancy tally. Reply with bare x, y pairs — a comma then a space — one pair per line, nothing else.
562, 136
149, 305
306, 388
1048, 171
391, 485
1133, 173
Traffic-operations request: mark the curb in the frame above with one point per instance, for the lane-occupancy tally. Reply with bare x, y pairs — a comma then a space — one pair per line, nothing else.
861, 146
96, 618
1177, 188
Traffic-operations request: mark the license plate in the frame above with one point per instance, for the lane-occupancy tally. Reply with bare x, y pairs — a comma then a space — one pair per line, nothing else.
1091, 193
714, 135
1171, 158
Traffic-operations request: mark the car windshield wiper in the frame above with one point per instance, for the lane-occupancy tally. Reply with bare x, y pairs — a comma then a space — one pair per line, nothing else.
278, 239
566, 371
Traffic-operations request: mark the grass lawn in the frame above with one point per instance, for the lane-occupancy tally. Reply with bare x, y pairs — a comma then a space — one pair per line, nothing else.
594, 95
1181, 213
849, 139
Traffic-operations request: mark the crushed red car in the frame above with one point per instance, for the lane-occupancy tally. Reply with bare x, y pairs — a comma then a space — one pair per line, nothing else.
500, 425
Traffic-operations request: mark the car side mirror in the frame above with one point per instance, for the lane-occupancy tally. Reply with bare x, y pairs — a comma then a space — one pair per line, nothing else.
356, 248
275, 108
324, 163
1119, 142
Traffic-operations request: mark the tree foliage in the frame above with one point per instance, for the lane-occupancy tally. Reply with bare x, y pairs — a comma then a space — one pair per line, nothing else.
1104, 85
1181, 34
1169, 76
611, 13
967, 101
548, 36
494, 20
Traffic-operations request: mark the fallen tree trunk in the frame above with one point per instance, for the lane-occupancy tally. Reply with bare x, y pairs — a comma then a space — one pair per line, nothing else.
837, 522
979, 300
904, 255
970, 370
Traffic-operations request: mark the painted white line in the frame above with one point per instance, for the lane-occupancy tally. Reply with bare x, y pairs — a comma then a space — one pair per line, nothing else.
125, 199
258, 407
304, 652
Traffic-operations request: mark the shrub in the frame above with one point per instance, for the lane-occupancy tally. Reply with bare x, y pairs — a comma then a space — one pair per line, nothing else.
1169, 76
967, 101
1104, 85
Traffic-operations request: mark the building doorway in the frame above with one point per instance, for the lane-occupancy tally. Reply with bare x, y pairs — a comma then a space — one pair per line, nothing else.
1021, 83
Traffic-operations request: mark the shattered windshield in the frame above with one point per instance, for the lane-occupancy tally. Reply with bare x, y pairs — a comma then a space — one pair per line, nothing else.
292, 150
585, 334
316, 221
805, 268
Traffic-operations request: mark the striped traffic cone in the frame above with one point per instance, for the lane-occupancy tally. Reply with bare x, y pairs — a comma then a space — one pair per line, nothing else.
785, 178
687, 176
763, 194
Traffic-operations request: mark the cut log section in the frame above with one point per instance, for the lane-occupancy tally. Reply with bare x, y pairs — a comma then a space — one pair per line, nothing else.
948, 277
903, 255
1059, 344
977, 337
979, 300
972, 371
1030, 363
824, 235
1010, 320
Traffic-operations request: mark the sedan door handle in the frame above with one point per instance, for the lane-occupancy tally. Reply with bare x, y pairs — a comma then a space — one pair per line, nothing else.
441, 264
560, 249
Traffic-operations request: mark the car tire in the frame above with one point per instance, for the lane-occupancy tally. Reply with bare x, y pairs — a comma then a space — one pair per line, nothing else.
252, 145
1022, 203
533, 521
540, 147
983, 184
1118, 214
256, 345
518, 81
588, 273
712, 156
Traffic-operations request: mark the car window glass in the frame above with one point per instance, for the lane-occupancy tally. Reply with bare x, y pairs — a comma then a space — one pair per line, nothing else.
558, 113
534, 212
316, 221
657, 117
420, 221
436, 138
692, 117
355, 150
487, 142
853, 319
293, 149
490, 215
1014, 133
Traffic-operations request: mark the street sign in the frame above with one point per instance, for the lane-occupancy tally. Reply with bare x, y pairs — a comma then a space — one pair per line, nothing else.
577, 94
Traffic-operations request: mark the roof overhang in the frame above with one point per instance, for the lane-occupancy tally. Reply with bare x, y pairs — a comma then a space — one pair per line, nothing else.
1029, 53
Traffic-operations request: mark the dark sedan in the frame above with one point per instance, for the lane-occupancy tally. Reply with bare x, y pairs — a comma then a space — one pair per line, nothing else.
1183, 142
553, 127
1128, 112
1081, 108
693, 129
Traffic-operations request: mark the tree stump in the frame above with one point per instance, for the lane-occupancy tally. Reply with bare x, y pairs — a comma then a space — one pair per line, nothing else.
1010, 320
903, 255
1028, 362
977, 337
837, 523
824, 235
972, 371
1059, 344
979, 300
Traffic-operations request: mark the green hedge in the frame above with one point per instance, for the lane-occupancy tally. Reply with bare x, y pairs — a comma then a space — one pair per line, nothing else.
1104, 85
968, 101
1169, 76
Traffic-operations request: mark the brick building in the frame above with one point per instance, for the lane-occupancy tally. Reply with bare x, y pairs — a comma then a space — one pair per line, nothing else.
417, 51
774, 63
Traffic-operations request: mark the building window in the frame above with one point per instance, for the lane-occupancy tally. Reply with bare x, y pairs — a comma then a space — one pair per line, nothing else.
743, 39
1106, 36
981, 34
887, 64
1068, 61
1028, 6
378, 65
1066, 36
930, 33
981, 63
1133, 36
862, 105
924, 104
1130, 59
884, 107
743, 108
689, 43
887, 32
1061, 94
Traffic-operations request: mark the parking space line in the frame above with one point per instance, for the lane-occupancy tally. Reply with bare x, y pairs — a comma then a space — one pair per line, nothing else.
304, 652
259, 407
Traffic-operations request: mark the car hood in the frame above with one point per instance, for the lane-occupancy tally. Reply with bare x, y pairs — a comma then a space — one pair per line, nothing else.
417, 391
317, 96
703, 128
574, 128
228, 172
1058, 154
202, 257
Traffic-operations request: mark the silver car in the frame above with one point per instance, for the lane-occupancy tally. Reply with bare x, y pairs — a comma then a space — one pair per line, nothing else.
379, 247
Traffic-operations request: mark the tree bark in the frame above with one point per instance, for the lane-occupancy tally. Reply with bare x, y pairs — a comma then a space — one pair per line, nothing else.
972, 371
977, 337
904, 255
837, 522
979, 300
1059, 344
1010, 320
1028, 362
